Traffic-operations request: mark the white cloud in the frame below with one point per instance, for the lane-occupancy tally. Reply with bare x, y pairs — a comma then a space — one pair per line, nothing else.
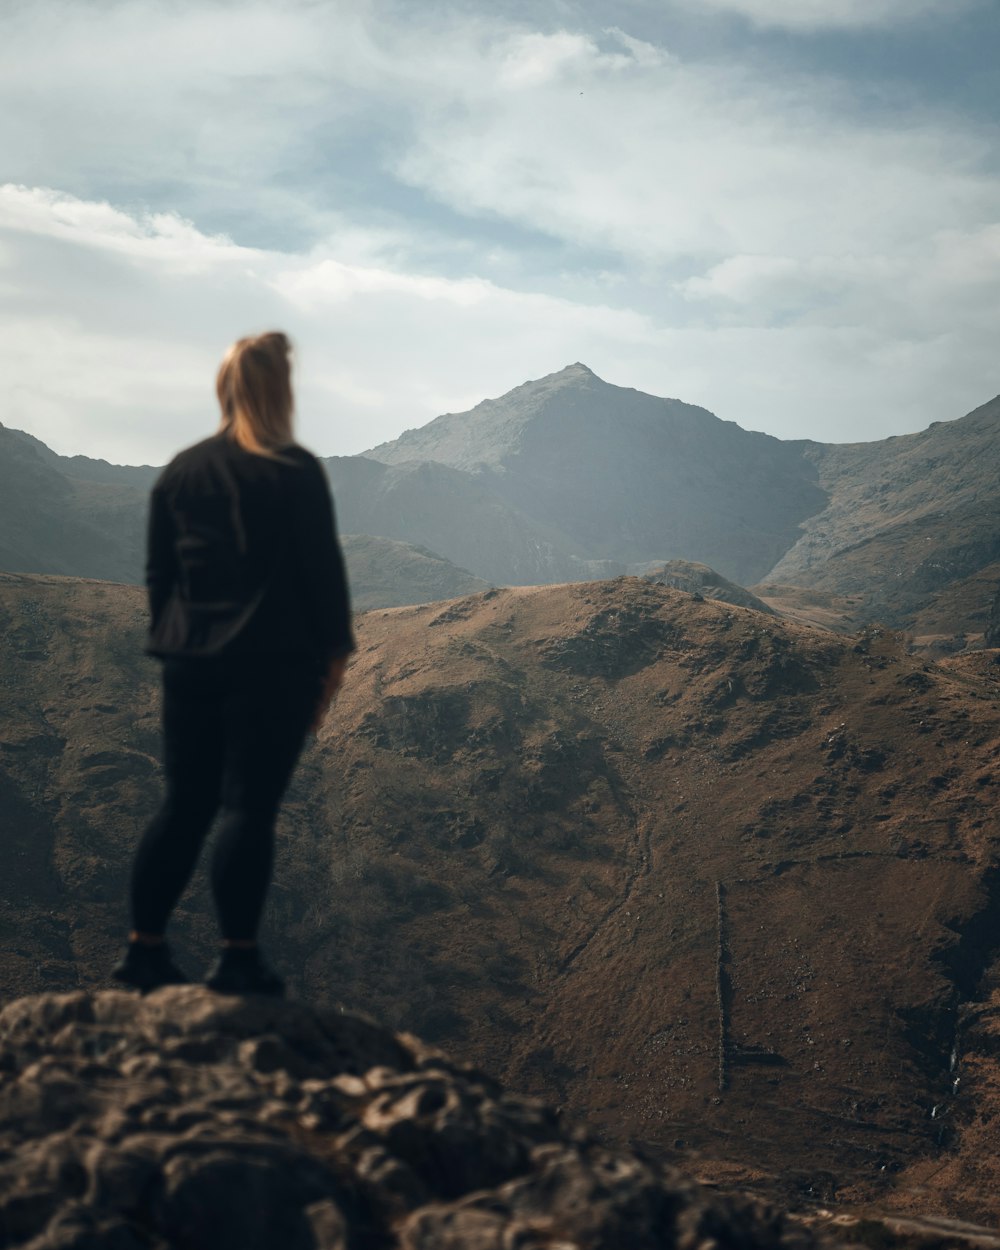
158, 238
810, 15
109, 347
191, 105
951, 280
443, 205
594, 138
535, 60
112, 350
655, 159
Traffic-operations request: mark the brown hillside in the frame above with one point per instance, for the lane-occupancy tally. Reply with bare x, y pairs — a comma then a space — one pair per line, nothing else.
722, 884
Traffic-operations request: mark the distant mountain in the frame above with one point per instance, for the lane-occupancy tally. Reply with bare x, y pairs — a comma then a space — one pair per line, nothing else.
908, 519
610, 473
69, 515
86, 469
699, 579
79, 517
460, 516
904, 530
568, 478
388, 574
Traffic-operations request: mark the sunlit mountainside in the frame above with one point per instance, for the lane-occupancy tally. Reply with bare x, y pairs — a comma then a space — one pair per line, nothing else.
715, 882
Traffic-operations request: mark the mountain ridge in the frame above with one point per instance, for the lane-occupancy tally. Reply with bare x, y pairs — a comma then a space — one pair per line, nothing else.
518, 406
568, 478
624, 475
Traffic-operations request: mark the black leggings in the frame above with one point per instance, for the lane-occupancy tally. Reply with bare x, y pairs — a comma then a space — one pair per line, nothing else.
233, 729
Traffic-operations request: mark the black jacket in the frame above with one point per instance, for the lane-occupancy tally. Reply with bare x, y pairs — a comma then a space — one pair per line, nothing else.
243, 557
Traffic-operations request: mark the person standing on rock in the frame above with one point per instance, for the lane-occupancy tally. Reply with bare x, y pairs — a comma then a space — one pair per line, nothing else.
251, 618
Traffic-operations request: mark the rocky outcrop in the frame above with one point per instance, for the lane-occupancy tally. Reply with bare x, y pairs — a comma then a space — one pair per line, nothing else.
190, 1120
699, 579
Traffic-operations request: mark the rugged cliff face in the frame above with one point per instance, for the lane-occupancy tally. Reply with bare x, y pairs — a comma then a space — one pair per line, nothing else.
910, 526
194, 1122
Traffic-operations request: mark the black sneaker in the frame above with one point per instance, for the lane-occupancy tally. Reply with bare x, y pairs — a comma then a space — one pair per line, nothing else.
240, 970
146, 967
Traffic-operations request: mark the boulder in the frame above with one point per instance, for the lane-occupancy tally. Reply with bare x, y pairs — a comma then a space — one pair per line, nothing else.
187, 1119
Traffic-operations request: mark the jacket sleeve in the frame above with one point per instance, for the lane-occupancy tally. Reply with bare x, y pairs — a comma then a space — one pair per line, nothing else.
161, 558
322, 576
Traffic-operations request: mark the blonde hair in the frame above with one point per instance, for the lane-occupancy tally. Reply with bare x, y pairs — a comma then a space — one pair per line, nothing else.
254, 386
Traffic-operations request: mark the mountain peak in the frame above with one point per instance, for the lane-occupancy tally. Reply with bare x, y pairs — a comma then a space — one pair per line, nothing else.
486, 436
486, 433
576, 372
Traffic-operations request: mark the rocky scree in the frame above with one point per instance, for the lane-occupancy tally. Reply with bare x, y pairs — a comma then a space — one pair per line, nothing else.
186, 1119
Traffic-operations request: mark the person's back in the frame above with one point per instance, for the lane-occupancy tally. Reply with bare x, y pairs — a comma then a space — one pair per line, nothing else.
250, 616
243, 555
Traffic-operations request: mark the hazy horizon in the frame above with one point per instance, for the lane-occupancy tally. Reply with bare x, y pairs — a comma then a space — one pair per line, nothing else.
212, 425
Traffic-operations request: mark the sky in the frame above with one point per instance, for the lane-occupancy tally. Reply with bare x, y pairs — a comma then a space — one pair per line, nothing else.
786, 211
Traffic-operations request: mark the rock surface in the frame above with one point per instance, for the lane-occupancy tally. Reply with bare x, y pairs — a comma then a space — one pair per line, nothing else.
186, 1119
699, 579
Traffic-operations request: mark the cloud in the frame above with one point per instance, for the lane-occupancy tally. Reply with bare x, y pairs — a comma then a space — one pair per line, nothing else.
109, 347
636, 152
440, 202
191, 105
597, 140
156, 238
816, 15
953, 272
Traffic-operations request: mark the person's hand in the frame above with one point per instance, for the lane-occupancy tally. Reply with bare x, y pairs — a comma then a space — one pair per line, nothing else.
331, 684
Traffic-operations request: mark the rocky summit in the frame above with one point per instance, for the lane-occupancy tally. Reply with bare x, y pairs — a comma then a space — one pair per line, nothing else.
185, 1119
